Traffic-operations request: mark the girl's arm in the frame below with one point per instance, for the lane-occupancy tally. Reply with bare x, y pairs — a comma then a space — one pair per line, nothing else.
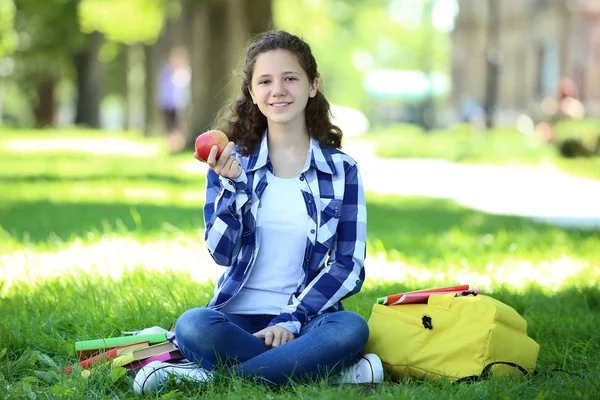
223, 206
344, 274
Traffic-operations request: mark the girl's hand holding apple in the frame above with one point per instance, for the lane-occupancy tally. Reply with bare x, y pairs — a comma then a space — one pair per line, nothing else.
218, 158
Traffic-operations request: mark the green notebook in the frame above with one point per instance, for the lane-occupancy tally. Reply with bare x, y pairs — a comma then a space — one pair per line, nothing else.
86, 347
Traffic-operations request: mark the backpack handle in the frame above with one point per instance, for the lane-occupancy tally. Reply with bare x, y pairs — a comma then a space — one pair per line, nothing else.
486, 372
443, 300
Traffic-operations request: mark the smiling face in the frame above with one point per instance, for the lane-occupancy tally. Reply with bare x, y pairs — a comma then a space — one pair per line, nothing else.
281, 89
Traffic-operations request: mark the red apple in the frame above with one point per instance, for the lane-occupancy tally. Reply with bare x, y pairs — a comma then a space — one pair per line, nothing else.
207, 140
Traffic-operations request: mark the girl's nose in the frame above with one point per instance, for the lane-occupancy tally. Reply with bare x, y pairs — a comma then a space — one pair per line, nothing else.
279, 88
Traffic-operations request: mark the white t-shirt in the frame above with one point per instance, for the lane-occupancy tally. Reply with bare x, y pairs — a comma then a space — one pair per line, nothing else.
276, 273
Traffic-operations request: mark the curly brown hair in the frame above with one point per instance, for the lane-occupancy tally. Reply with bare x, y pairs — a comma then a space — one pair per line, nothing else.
244, 123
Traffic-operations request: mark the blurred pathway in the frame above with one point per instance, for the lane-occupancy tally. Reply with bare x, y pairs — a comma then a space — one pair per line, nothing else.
544, 194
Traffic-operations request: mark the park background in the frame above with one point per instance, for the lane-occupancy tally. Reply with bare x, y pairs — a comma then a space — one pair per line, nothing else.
476, 125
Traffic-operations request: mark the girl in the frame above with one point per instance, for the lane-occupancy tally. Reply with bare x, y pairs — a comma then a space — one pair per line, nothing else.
285, 213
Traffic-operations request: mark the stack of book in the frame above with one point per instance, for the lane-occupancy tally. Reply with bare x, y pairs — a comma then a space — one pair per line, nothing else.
421, 296
130, 352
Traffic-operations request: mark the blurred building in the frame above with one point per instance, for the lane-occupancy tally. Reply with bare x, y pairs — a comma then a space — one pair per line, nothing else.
539, 42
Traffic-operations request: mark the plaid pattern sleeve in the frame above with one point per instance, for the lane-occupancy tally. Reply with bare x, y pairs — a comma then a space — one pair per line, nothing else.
222, 215
343, 273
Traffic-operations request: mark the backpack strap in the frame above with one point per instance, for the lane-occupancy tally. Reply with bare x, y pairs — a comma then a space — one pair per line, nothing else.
486, 372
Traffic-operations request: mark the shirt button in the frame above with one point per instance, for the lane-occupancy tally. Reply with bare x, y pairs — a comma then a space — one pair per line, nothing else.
312, 231
301, 177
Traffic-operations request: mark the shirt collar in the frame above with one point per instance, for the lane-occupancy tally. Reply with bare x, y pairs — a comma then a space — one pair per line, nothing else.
260, 157
319, 157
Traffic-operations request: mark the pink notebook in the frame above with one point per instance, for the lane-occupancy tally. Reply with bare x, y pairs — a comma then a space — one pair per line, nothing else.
165, 357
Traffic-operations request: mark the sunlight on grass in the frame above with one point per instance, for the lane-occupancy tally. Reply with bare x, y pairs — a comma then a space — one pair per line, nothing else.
98, 146
513, 274
109, 258
193, 167
112, 257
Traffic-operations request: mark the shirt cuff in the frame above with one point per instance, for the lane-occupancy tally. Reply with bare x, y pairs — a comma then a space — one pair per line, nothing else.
291, 326
238, 184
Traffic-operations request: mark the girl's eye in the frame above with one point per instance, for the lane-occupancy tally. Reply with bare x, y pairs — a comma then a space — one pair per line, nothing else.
263, 82
291, 78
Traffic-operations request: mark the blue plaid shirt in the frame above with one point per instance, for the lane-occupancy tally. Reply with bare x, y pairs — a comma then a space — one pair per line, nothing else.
333, 263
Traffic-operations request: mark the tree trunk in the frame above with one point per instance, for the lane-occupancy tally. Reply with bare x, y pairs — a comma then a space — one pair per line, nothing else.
202, 33
89, 83
126, 89
427, 106
219, 31
44, 108
493, 60
259, 16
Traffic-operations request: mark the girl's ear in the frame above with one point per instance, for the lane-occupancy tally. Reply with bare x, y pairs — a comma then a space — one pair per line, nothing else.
314, 86
252, 94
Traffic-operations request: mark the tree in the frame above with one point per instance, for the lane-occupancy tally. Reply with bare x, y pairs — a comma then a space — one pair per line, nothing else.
427, 107
219, 30
50, 33
65, 39
493, 61
130, 23
88, 80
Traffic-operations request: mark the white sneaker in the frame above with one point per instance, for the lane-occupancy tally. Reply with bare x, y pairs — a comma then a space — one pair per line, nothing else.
152, 375
366, 369
152, 329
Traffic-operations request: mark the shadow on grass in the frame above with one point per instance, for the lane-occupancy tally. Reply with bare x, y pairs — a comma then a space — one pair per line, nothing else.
81, 168
147, 179
38, 221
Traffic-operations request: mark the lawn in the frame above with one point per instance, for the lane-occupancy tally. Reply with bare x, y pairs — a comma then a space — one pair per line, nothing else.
501, 146
106, 236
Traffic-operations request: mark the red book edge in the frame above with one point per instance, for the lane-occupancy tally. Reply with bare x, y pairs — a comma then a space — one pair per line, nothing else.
102, 357
452, 288
422, 297
387, 300
167, 356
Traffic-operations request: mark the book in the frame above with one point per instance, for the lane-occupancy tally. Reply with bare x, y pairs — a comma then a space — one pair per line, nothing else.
88, 348
107, 355
173, 355
142, 354
401, 297
422, 297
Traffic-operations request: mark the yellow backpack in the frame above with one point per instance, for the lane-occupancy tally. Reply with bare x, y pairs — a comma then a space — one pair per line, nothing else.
452, 337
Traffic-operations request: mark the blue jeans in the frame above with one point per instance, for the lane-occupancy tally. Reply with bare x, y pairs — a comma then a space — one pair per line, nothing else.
325, 345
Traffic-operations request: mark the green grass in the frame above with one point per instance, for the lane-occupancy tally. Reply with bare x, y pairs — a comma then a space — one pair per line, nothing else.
466, 144
65, 218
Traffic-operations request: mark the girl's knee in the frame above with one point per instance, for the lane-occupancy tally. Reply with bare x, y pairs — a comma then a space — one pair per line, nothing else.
348, 332
193, 323
356, 326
